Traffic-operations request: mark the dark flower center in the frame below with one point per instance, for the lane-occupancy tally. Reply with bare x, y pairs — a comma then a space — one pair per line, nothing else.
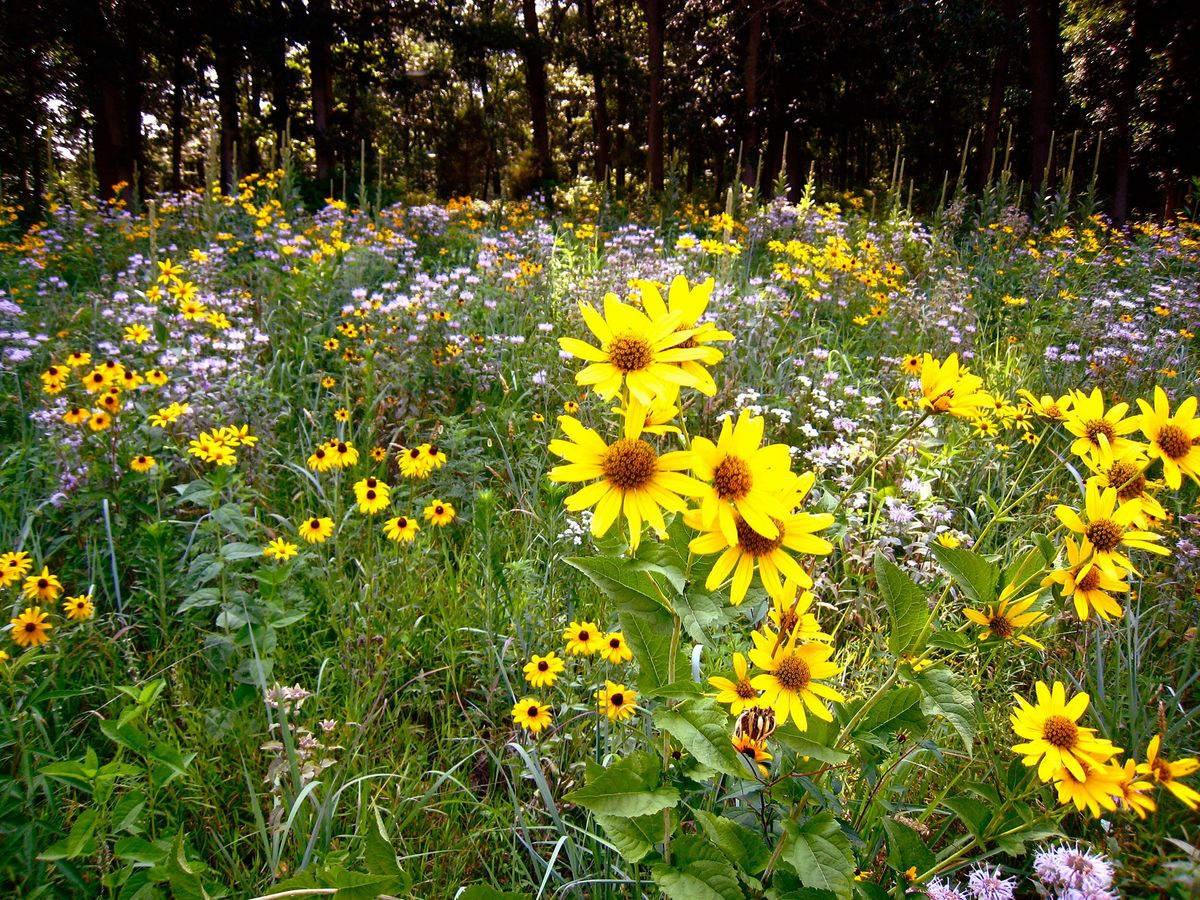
1096, 427
732, 479
1089, 581
1001, 627
793, 673
617, 699
753, 542
615, 643
1104, 534
533, 712
584, 636
629, 464
543, 666
1173, 441
1060, 732
630, 352
745, 690
31, 626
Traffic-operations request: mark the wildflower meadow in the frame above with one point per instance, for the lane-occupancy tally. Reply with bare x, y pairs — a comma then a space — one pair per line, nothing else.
799, 549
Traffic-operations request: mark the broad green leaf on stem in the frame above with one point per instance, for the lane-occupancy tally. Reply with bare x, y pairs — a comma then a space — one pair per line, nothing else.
949, 695
702, 728
699, 610
378, 855
624, 581
905, 848
79, 841
820, 854
636, 838
698, 871
1025, 569
954, 641
813, 743
744, 848
907, 606
898, 709
975, 575
629, 787
973, 813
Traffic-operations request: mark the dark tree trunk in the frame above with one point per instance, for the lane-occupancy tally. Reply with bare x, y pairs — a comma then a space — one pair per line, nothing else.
751, 78
177, 76
600, 124
654, 114
538, 92
227, 52
995, 104
280, 77
620, 136
1132, 62
320, 60
1042, 87
797, 173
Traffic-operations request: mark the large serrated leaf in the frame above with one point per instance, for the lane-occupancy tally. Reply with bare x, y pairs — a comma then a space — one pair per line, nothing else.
698, 871
820, 854
702, 728
908, 608
629, 787
973, 813
698, 610
813, 743
897, 709
635, 838
905, 848
976, 576
948, 695
744, 848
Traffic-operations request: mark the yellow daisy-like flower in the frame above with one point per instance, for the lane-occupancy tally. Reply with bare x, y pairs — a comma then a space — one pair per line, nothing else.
584, 638
13, 567
1165, 773
1100, 433
634, 351
738, 692
744, 476
617, 701
79, 609
656, 419
440, 513
137, 333
570, 407
100, 420
1133, 791
30, 628
1127, 476
1047, 406
401, 529
157, 377
321, 460
143, 463
789, 613
1054, 739
1096, 790
1087, 585
754, 751
78, 359
95, 381
373, 500
43, 586
76, 415
691, 303
543, 671
213, 448
1174, 439
1007, 619
343, 454
947, 387
317, 529
633, 478
615, 650
1108, 527
280, 549
414, 463
532, 715
911, 364
790, 680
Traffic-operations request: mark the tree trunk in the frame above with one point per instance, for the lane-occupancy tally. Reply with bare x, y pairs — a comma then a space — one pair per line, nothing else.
280, 78
751, 75
227, 52
1132, 63
177, 76
654, 114
320, 61
995, 104
621, 131
600, 126
536, 88
1042, 88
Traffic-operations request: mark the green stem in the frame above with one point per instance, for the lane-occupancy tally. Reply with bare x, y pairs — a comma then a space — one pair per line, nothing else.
861, 477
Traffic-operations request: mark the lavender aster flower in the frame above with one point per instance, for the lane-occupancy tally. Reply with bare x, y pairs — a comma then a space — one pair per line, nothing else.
987, 884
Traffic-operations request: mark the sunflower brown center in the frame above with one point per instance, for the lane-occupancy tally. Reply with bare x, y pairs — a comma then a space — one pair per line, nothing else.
533, 712
1001, 627
584, 636
753, 542
1128, 479
793, 674
543, 666
31, 626
787, 622
745, 690
1161, 769
617, 699
732, 478
630, 352
1104, 534
1173, 441
1096, 427
1053, 412
689, 344
629, 464
1061, 732
1089, 581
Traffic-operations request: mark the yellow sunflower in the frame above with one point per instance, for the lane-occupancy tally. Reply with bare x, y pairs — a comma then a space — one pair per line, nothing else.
615, 650
440, 513
789, 613
790, 682
584, 638
1173, 439
754, 751
1054, 739
691, 302
42, 586
1087, 585
947, 387
532, 715
744, 476
1047, 406
1165, 773
1107, 529
543, 671
633, 478
1127, 475
1133, 791
617, 701
280, 549
1096, 790
13, 566
1007, 619
1100, 433
738, 693
641, 353
79, 609
30, 628
401, 529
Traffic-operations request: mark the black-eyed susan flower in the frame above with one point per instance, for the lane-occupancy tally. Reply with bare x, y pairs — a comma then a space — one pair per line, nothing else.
95, 381
532, 715
54, 379
13, 567
947, 387
137, 333
745, 477
80, 608
911, 364
99, 420
615, 650
1088, 586
543, 671
754, 751
280, 549
413, 463
212, 447
76, 415
738, 692
617, 701
143, 463
341, 414
401, 529
583, 638
31, 628
343, 454
904, 402
1095, 790
42, 586
316, 529
378, 454
570, 407
328, 382
1047, 406
78, 359
633, 479
1053, 738
1174, 439
157, 377
1100, 433
1007, 619
1167, 773
1108, 528
691, 302
634, 351
435, 456
790, 681
1134, 793
373, 500
440, 513
321, 459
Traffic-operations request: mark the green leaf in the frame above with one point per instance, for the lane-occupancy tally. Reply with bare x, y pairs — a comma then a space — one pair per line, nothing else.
698, 871
378, 855
813, 742
239, 550
976, 576
897, 709
698, 610
71, 772
635, 838
629, 787
905, 848
702, 728
954, 641
947, 694
821, 855
181, 873
358, 885
974, 814
139, 850
79, 841
127, 811
1024, 570
908, 608
126, 736
741, 846
622, 580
